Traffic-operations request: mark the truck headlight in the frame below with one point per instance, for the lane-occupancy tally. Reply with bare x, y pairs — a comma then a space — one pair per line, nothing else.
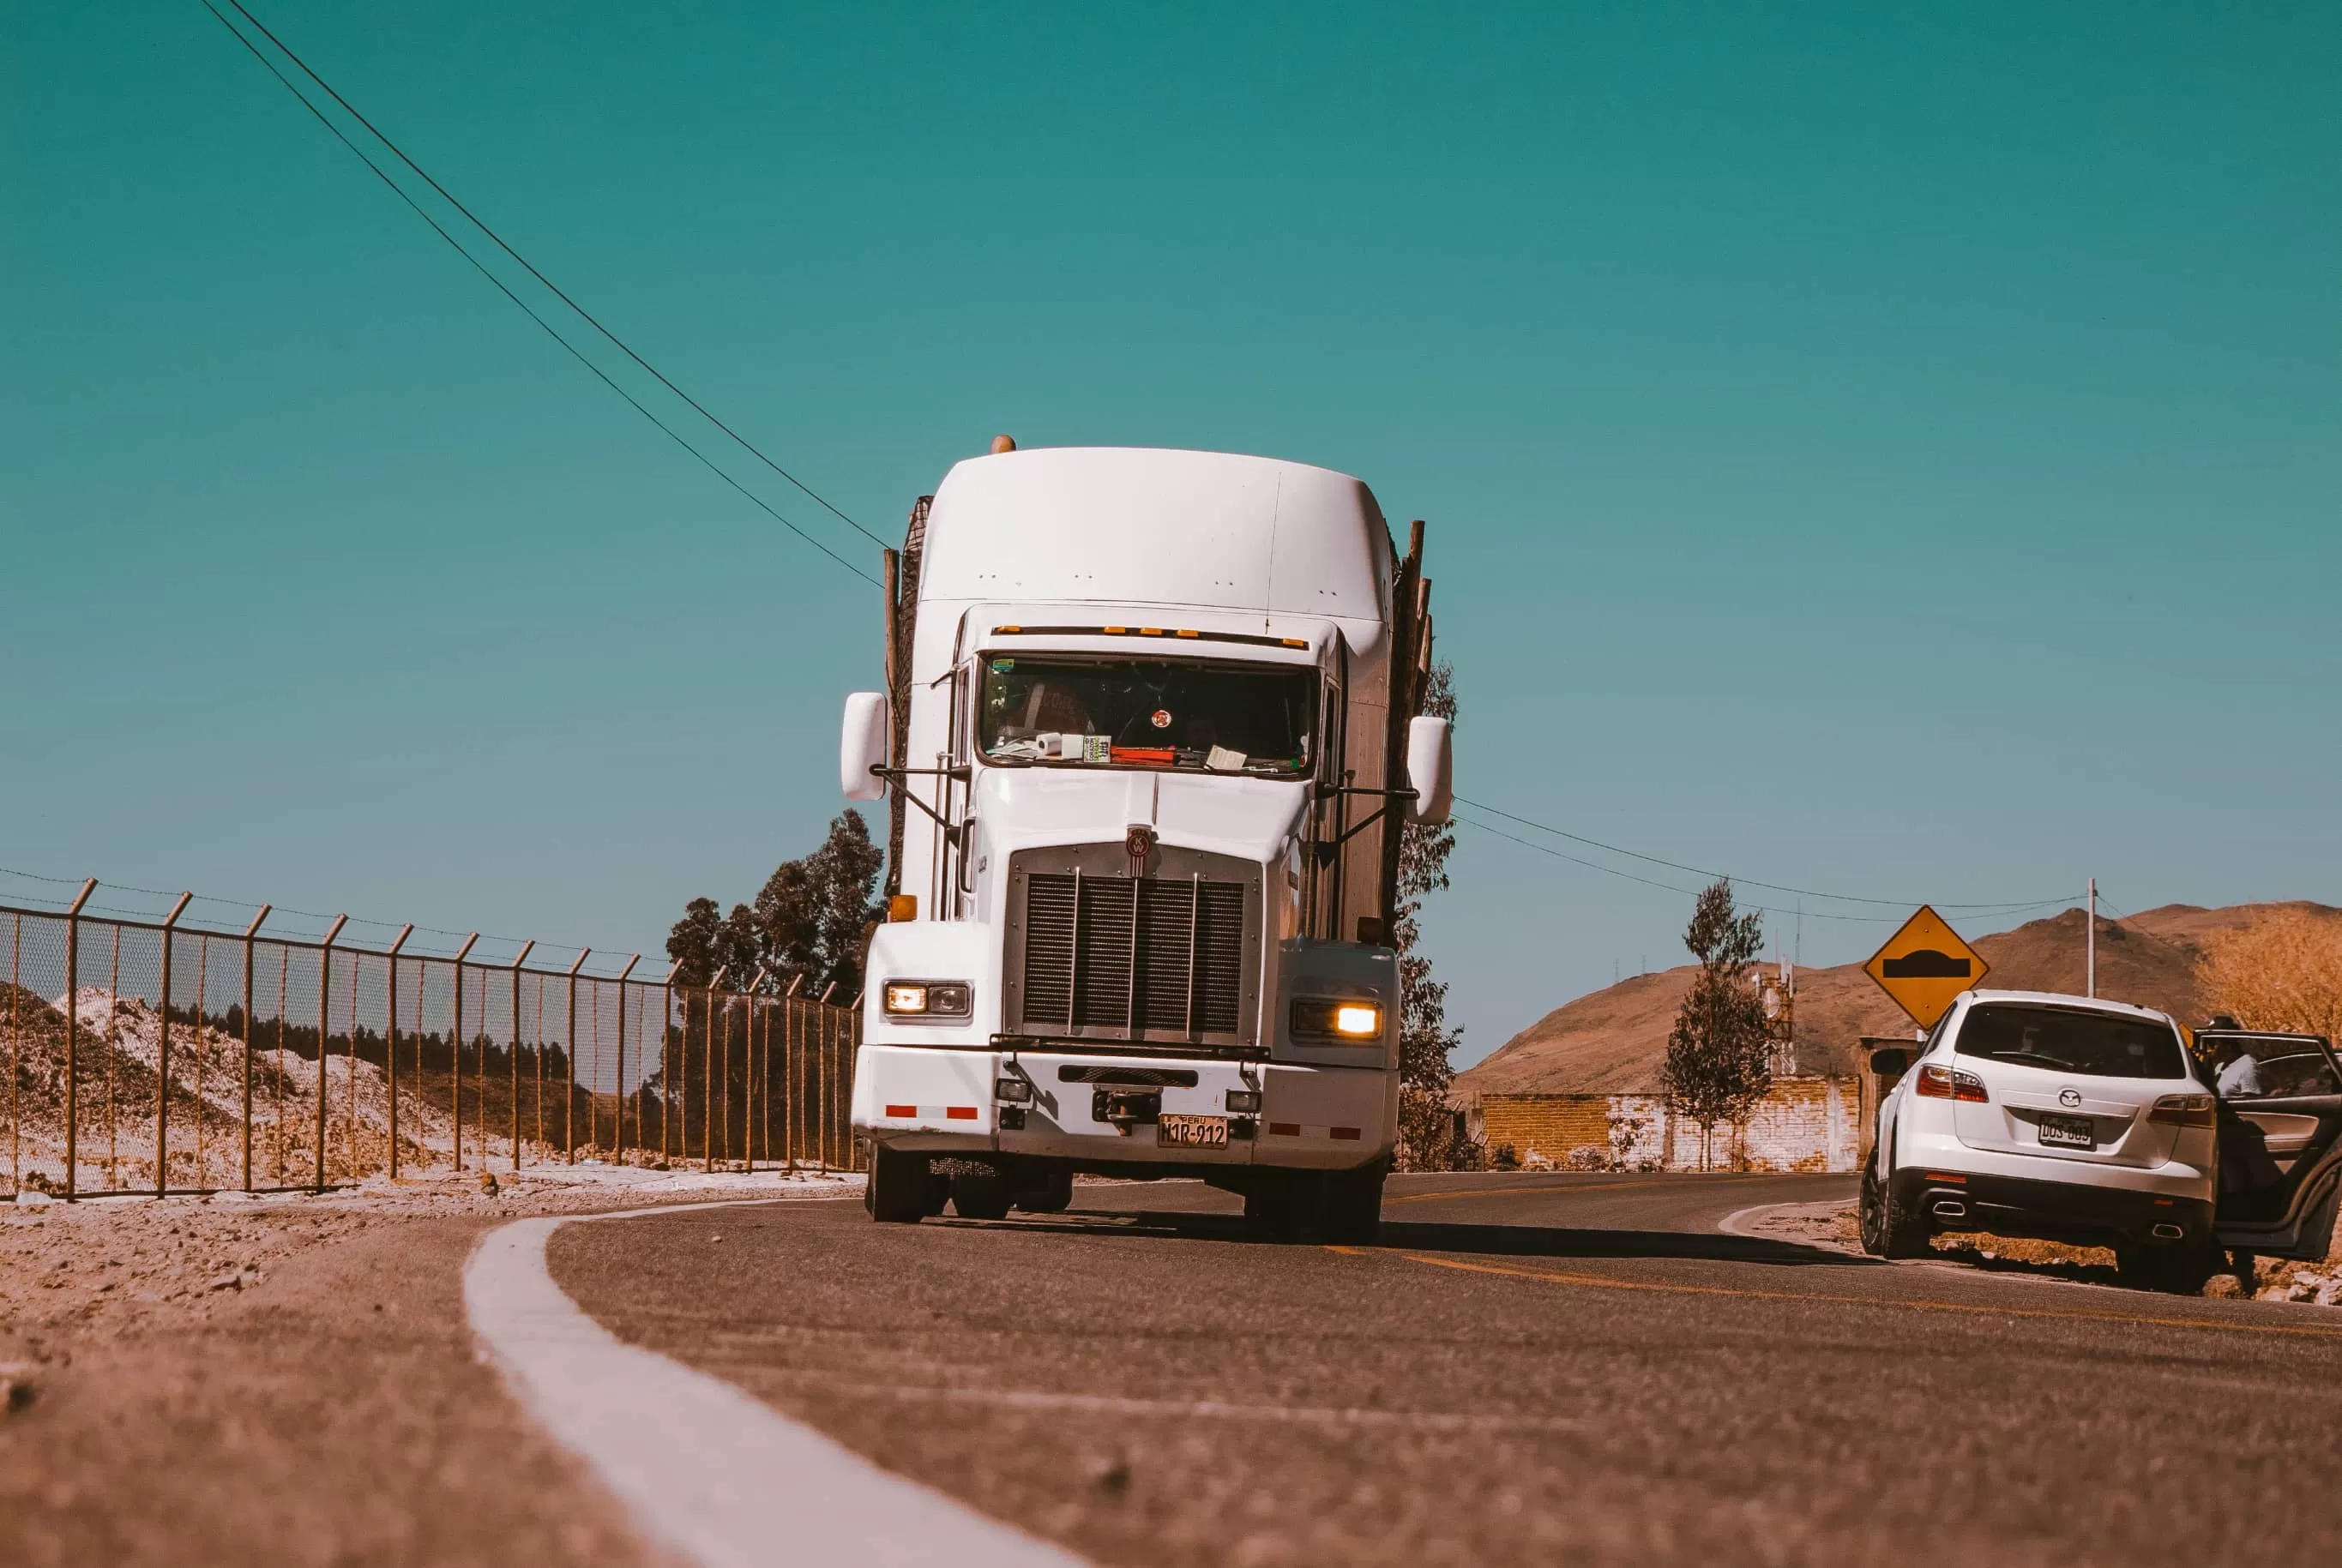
940, 1000
1336, 1018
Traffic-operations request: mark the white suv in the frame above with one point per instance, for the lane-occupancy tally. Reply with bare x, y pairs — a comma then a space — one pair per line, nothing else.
2065, 1118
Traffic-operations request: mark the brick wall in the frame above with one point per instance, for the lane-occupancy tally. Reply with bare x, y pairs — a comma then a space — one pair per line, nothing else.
1802, 1124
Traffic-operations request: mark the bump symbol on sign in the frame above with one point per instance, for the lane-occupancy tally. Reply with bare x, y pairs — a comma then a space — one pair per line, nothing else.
1925, 966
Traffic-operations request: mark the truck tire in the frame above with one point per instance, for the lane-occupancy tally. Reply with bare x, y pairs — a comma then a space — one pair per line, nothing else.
1886, 1231
1277, 1203
1350, 1205
896, 1192
1055, 1196
980, 1194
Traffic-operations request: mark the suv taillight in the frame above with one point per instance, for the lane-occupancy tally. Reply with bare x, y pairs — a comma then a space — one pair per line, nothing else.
2182, 1111
1940, 1082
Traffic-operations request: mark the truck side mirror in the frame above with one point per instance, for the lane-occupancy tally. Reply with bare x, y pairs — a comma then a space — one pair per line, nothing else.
1430, 771
862, 746
1891, 1061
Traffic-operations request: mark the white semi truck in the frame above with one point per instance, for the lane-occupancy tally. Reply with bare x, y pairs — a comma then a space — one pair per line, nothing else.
1151, 731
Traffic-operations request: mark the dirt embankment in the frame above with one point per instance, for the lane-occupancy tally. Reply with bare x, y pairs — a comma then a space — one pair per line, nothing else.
1613, 1041
288, 1379
117, 1058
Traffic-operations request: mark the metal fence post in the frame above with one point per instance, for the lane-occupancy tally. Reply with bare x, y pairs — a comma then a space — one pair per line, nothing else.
749, 1087
829, 1071
569, 1062
793, 1067
706, 1070
390, 1040
455, 1057
324, 1025
666, 1053
526, 948
163, 1053
249, 933
72, 1029
15, 1049
618, 1085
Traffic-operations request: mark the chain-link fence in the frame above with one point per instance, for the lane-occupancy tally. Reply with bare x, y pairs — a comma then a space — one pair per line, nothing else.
176, 1050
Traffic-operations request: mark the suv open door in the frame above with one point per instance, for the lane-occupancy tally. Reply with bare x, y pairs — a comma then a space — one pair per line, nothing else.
2281, 1116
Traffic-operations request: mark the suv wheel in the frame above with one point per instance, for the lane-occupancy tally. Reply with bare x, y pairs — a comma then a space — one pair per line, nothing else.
2182, 1270
1886, 1231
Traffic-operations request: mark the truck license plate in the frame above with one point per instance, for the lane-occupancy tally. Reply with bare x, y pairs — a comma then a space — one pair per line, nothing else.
2069, 1132
1172, 1131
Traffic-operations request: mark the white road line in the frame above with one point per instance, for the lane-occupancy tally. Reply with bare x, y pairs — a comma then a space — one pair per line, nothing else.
1736, 1223
1742, 1222
703, 1467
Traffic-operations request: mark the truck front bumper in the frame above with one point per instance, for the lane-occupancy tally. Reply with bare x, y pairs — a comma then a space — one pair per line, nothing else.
941, 1101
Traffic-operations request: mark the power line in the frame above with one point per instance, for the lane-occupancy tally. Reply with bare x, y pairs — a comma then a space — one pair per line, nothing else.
2124, 921
1742, 880
550, 331
479, 224
194, 925
1769, 909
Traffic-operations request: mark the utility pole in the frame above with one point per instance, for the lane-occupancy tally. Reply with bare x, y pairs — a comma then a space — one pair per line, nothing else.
2090, 948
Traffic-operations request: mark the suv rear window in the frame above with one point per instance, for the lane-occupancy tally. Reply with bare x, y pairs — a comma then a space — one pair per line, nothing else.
2096, 1044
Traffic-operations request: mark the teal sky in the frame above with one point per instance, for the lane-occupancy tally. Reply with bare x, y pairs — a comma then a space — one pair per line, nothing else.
1883, 450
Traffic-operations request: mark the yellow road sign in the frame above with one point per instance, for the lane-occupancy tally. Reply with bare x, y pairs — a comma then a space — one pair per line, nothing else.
1925, 965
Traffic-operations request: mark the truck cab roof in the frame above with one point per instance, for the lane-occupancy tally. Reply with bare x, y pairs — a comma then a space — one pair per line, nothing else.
1146, 525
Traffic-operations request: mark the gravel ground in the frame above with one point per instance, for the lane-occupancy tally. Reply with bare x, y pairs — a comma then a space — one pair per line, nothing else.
1832, 1226
288, 1379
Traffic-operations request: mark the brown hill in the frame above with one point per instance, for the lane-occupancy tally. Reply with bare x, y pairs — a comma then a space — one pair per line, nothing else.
1613, 1041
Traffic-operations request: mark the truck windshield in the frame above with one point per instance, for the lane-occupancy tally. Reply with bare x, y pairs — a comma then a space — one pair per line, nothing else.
1203, 714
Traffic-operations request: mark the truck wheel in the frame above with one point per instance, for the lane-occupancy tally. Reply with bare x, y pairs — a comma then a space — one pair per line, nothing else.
980, 1194
1055, 1196
1350, 1207
1277, 1204
1886, 1231
894, 1193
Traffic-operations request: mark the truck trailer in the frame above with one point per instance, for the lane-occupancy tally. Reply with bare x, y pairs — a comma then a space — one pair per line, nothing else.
1151, 731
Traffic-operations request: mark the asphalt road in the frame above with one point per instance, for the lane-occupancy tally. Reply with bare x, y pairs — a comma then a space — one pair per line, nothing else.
1528, 1368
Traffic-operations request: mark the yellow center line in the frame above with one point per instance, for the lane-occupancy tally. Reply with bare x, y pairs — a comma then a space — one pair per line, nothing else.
1532, 1192
1602, 1281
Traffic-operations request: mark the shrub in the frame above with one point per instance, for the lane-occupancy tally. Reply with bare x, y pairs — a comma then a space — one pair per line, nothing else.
2283, 972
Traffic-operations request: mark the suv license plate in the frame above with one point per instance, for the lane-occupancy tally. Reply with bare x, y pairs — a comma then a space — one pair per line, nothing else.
2069, 1132
1172, 1131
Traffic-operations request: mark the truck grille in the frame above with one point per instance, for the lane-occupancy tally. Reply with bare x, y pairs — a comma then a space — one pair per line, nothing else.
1136, 958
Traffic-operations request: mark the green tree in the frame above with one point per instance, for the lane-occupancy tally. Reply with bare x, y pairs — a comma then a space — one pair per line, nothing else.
812, 918
1717, 1066
1426, 1123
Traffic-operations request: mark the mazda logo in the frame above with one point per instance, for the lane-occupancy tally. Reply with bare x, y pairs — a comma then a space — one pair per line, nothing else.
2069, 1098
